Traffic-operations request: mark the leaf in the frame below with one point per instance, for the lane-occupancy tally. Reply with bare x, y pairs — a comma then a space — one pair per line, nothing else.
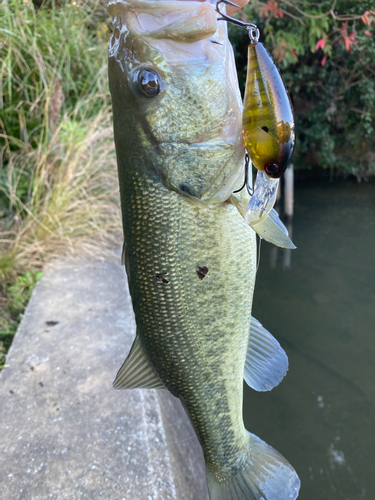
366, 19
320, 44
344, 27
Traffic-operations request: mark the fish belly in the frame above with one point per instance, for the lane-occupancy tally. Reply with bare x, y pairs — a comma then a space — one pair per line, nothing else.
194, 327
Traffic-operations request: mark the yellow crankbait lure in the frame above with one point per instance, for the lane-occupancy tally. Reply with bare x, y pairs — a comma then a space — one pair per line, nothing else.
268, 121
268, 124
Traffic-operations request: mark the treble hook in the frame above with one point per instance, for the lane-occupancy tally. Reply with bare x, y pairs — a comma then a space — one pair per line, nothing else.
251, 28
246, 183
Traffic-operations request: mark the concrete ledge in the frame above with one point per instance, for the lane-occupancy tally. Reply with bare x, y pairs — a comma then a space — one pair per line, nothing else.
65, 433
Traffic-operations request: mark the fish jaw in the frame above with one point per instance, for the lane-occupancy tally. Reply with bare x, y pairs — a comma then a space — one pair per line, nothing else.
190, 133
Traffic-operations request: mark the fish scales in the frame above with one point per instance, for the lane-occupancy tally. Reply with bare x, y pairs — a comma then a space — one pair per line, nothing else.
200, 350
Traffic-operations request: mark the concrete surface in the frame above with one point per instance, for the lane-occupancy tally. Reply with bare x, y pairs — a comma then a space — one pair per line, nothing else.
64, 432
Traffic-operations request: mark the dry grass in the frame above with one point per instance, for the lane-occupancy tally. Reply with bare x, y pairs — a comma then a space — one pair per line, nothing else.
58, 178
74, 201
58, 181
72, 208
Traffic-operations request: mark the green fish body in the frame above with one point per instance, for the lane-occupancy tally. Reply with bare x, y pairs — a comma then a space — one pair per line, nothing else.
189, 255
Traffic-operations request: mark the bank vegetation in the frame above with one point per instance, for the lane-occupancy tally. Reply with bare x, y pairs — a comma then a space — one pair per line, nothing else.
58, 181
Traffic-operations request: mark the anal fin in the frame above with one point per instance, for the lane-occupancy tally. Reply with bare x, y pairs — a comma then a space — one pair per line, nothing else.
266, 361
137, 370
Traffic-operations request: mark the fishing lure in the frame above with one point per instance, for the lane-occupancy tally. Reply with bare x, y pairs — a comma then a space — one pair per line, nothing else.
268, 121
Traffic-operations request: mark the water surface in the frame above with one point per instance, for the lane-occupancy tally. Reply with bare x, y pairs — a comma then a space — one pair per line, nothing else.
319, 302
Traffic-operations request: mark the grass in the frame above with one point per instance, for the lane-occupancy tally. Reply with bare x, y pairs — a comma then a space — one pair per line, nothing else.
17, 296
58, 180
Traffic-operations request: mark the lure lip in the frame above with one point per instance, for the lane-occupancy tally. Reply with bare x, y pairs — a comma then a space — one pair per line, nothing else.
263, 198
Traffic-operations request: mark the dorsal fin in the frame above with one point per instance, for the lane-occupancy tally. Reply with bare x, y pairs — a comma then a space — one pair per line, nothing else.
266, 361
137, 370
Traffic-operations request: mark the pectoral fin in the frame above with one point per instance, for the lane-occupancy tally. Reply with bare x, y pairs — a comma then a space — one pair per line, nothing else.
266, 361
270, 229
137, 371
273, 230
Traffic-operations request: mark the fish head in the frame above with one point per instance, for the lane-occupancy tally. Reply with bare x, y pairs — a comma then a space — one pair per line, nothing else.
176, 104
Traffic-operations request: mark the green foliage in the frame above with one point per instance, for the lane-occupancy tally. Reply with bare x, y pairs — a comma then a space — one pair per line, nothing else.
53, 64
12, 307
58, 181
332, 84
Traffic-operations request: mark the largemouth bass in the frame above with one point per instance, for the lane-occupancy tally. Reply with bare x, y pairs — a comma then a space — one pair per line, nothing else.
190, 257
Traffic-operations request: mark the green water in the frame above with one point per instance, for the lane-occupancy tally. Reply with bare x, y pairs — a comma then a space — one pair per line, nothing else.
321, 308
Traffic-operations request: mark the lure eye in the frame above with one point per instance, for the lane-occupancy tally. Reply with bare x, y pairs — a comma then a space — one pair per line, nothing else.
149, 82
272, 169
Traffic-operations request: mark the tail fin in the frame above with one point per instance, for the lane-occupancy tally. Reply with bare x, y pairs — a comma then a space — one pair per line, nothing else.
264, 475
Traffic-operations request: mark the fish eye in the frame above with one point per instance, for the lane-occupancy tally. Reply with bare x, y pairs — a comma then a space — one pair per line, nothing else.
272, 169
149, 81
